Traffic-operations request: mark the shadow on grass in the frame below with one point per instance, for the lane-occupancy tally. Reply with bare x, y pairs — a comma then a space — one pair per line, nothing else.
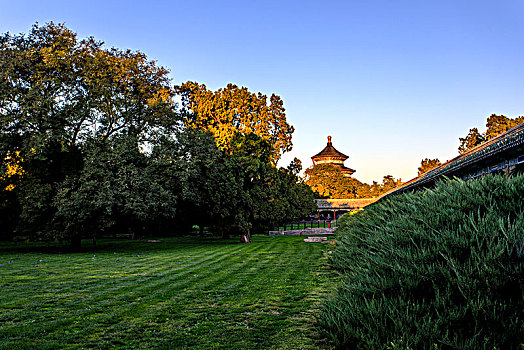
111, 244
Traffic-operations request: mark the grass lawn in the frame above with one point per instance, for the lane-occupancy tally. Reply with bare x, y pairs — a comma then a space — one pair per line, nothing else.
179, 293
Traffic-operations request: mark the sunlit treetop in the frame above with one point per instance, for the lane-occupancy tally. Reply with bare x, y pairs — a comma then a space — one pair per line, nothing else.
73, 90
235, 109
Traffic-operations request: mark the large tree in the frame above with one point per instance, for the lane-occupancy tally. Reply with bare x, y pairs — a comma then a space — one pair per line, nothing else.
117, 185
232, 110
56, 88
206, 185
258, 193
328, 181
57, 94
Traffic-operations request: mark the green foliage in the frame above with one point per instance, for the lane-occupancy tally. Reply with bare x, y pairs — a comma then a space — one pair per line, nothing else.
260, 194
235, 110
191, 293
57, 90
428, 164
91, 141
60, 95
441, 267
495, 125
330, 182
117, 183
472, 140
193, 167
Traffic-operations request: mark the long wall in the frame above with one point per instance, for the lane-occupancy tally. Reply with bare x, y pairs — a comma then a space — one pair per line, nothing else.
503, 153
343, 204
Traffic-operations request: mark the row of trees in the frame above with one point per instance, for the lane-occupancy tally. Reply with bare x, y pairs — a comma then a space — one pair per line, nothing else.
495, 125
92, 142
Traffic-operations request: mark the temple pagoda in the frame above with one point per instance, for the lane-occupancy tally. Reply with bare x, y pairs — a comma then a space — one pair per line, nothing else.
329, 155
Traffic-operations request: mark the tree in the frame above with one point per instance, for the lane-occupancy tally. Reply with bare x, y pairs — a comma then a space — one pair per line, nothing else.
329, 181
389, 183
57, 94
233, 110
252, 193
198, 167
249, 162
72, 90
428, 164
295, 198
295, 167
495, 125
472, 140
377, 189
117, 185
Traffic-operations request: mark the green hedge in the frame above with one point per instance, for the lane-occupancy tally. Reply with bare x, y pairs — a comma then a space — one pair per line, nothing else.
436, 268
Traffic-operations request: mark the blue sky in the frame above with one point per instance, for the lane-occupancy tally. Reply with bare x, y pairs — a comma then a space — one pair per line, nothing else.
392, 81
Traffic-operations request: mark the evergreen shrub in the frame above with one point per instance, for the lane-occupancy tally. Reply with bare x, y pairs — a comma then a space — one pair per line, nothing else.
439, 268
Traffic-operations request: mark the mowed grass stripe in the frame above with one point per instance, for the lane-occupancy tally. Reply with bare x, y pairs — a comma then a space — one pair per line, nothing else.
158, 310
127, 293
250, 263
259, 316
114, 318
167, 271
184, 292
121, 286
132, 276
173, 288
124, 287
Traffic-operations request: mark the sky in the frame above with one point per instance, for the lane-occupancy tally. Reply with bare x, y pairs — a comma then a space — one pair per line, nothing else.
393, 82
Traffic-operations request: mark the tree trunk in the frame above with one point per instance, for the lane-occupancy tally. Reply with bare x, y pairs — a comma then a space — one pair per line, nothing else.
245, 237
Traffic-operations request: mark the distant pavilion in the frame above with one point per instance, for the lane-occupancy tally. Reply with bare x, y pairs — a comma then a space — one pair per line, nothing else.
328, 207
329, 155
